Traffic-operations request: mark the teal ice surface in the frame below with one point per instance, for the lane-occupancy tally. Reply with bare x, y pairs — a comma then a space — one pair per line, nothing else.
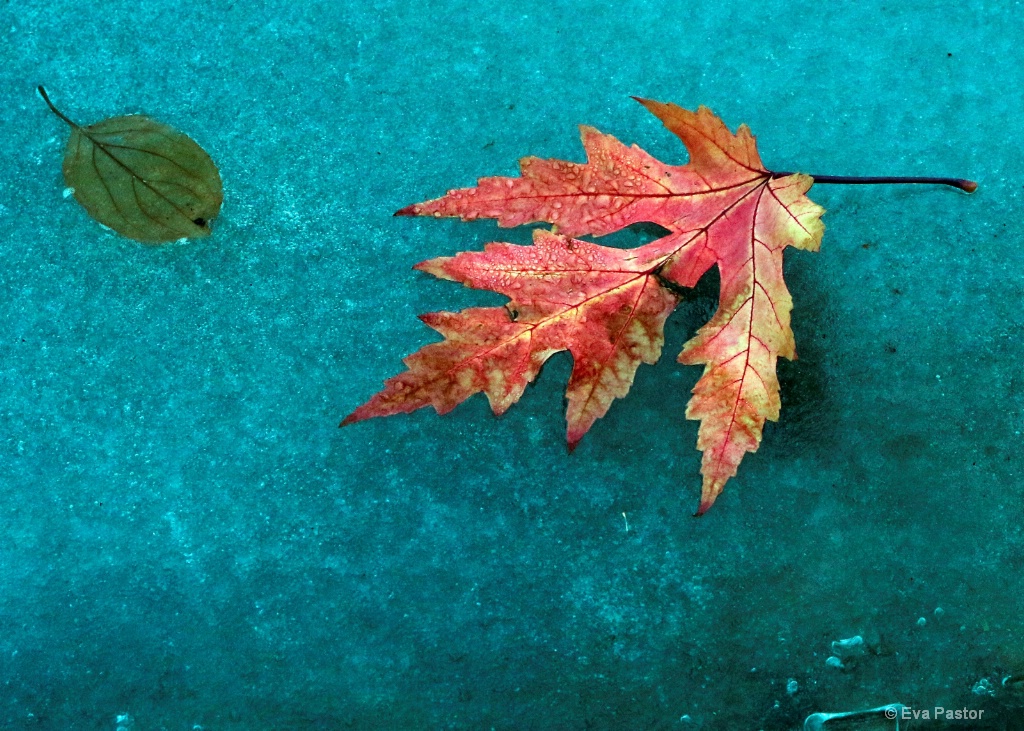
189, 540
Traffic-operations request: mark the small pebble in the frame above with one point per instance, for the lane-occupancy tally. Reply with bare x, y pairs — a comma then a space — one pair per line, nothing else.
983, 687
849, 647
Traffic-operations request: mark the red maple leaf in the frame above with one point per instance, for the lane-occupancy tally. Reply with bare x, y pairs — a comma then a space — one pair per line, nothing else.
608, 306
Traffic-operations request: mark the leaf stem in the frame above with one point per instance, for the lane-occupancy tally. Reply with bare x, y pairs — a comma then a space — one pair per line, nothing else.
42, 93
968, 186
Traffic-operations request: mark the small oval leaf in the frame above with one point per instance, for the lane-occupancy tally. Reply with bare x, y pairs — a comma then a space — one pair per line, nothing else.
145, 180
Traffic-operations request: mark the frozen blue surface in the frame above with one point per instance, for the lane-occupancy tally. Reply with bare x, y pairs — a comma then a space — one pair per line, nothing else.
189, 540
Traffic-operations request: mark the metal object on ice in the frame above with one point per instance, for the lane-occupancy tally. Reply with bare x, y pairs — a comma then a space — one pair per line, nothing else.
883, 718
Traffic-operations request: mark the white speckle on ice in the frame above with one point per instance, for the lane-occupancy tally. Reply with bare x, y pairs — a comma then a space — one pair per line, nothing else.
849, 647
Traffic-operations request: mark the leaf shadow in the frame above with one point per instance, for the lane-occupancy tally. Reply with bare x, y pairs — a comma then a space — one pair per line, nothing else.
809, 420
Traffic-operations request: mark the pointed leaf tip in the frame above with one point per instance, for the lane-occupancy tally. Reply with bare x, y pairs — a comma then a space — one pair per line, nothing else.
436, 267
351, 419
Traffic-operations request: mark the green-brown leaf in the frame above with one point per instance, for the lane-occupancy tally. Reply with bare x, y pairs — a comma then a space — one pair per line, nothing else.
142, 178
